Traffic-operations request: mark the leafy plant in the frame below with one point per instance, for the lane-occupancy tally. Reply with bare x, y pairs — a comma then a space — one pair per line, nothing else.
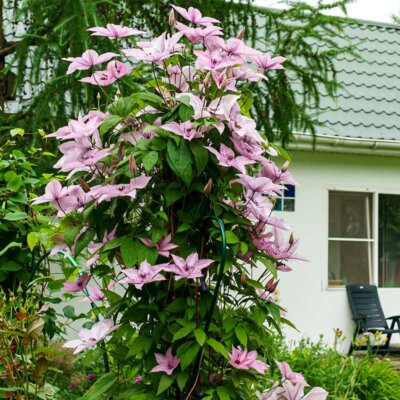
24, 230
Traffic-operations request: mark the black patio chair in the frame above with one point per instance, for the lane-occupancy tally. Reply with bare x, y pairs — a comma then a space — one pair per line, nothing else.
369, 317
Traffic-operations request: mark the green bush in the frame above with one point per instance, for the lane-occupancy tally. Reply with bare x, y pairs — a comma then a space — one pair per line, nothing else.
345, 378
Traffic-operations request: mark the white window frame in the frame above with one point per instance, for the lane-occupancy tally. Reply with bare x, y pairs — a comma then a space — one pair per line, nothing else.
375, 232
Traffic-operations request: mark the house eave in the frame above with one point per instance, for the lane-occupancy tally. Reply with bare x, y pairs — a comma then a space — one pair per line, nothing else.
338, 144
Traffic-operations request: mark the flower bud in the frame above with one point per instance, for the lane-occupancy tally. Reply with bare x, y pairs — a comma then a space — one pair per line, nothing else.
240, 35
208, 187
285, 166
171, 19
132, 164
291, 239
207, 79
243, 278
84, 185
269, 284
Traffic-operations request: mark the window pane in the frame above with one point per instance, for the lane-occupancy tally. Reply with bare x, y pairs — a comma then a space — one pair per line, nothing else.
350, 215
288, 205
349, 262
290, 191
278, 204
389, 240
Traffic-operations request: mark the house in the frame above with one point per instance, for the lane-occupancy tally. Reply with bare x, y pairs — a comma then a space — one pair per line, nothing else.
346, 210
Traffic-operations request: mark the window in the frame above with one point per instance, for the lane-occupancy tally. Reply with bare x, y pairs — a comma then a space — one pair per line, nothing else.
352, 243
286, 202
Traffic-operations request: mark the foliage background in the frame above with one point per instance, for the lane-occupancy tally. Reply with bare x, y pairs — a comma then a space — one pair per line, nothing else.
287, 103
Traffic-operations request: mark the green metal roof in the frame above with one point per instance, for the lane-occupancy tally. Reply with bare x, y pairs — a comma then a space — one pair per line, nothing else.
368, 105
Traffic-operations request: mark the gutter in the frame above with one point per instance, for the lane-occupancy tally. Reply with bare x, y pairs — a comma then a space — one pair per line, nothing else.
339, 144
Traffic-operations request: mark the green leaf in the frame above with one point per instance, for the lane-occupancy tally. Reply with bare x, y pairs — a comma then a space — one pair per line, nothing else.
100, 386
109, 122
200, 155
83, 242
185, 112
181, 333
17, 131
200, 336
181, 380
165, 382
172, 194
231, 237
218, 347
123, 106
32, 240
15, 216
180, 159
283, 152
177, 305
223, 393
69, 312
149, 97
183, 228
189, 355
141, 344
11, 266
9, 246
70, 234
150, 160
129, 253
14, 181
241, 334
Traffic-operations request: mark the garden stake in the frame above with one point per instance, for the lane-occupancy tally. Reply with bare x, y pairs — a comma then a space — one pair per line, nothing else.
214, 301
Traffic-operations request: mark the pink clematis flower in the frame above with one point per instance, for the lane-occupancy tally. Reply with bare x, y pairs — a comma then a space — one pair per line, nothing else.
199, 35
156, 50
265, 61
163, 246
185, 129
95, 294
90, 337
146, 273
271, 171
100, 78
88, 59
80, 128
166, 363
296, 392
108, 192
226, 158
282, 250
258, 184
78, 285
189, 268
288, 374
114, 31
52, 193
118, 69
213, 59
194, 16
244, 359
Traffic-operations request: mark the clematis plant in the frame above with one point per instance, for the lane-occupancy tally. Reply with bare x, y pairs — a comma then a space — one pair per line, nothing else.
168, 203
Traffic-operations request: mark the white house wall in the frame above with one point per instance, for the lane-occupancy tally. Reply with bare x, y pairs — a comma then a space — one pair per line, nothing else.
313, 307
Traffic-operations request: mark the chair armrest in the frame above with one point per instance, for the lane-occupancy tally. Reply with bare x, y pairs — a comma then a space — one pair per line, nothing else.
394, 317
